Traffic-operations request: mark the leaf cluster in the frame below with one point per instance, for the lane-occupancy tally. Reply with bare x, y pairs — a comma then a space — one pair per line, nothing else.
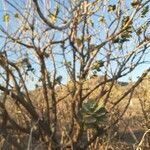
97, 65
93, 114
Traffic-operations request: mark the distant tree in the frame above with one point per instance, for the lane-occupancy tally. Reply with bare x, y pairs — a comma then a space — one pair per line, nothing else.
45, 44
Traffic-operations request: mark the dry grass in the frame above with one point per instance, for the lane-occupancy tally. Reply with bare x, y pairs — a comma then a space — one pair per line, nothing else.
125, 135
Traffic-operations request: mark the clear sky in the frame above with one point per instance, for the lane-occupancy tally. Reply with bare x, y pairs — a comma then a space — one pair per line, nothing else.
137, 72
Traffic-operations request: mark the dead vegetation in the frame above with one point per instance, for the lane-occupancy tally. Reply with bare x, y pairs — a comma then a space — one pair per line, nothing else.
72, 54
131, 132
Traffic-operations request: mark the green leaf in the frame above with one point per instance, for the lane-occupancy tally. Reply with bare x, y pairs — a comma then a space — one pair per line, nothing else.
145, 11
89, 126
125, 20
93, 112
99, 106
101, 119
90, 22
16, 15
124, 40
139, 31
127, 33
89, 106
120, 40
99, 115
59, 79
89, 120
116, 40
57, 10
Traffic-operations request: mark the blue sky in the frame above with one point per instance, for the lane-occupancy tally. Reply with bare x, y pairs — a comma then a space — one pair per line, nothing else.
137, 72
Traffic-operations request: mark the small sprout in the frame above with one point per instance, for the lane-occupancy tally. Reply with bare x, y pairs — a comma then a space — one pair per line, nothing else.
120, 40
64, 21
145, 11
40, 79
58, 79
125, 20
94, 73
29, 66
127, 33
139, 31
102, 19
90, 22
46, 54
78, 42
25, 28
116, 40
52, 18
16, 15
135, 3
97, 65
68, 63
6, 18
123, 40
57, 10
25, 60
111, 8
36, 86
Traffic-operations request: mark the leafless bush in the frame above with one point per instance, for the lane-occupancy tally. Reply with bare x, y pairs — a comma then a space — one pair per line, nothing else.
60, 62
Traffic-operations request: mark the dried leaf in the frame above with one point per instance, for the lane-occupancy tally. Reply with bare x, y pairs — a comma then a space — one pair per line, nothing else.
111, 8
6, 18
